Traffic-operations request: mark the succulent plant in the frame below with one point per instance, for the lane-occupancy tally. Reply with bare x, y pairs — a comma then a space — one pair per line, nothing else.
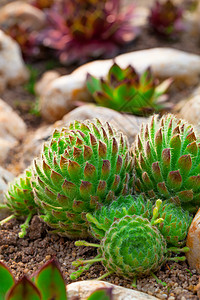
42, 4
166, 18
25, 37
175, 225
47, 283
125, 90
101, 220
81, 168
166, 154
20, 200
133, 246
80, 30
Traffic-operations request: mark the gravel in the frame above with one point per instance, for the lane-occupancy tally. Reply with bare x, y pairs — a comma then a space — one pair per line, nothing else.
25, 256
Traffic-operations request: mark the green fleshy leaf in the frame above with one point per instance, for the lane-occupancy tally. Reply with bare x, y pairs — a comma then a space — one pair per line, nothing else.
50, 282
6, 280
101, 294
24, 289
93, 84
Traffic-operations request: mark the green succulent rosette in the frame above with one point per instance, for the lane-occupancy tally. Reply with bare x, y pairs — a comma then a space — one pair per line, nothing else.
81, 168
133, 247
176, 223
101, 220
126, 91
20, 197
166, 156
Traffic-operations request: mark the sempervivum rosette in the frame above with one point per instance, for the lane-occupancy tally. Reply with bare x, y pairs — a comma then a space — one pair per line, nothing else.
82, 167
101, 220
176, 223
167, 161
132, 246
20, 200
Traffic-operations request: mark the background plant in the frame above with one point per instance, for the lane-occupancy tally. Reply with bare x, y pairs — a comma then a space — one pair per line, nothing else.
166, 18
80, 30
126, 91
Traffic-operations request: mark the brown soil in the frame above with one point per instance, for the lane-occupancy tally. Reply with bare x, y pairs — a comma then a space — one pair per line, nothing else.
25, 256
28, 254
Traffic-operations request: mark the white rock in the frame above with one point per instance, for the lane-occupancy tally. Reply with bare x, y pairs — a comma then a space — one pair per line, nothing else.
193, 242
191, 110
11, 124
128, 124
19, 11
12, 68
83, 289
45, 80
12, 129
165, 62
5, 178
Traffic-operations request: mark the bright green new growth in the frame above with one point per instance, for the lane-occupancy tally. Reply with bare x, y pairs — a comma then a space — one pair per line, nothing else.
133, 246
20, 198
166, 154
83, 167
102, 219
125, 90
176, 223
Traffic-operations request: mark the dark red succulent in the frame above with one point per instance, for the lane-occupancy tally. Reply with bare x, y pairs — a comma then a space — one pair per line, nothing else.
42, 4
25, 37
166, 18
79, 30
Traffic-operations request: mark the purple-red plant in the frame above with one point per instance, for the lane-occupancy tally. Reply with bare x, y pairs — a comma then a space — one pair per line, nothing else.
42, 4
166, 18
79, 30
25, 37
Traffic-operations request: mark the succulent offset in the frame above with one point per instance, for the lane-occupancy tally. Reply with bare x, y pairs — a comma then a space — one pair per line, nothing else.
80, 30
166, 18
42, 4
176, 223
132, 246
101, 220
82, 167
20, 198
126, 91
166, 155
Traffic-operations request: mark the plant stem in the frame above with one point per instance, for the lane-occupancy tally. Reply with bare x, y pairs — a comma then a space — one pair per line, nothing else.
134, 284
105, 275
25, 226
3, 206
158, 280
82, 269
7, 219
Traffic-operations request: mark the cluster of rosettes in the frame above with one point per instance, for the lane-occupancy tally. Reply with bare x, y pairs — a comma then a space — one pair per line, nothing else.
86, 182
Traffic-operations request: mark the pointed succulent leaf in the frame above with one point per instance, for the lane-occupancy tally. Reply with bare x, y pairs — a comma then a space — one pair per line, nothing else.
101, 294
6, 280
24, 289
50, 282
